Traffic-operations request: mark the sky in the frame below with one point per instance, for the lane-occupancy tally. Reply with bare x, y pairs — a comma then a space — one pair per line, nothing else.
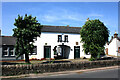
61, 14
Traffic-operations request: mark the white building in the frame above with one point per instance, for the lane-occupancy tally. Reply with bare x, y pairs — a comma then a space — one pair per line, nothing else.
112, 48
59, 42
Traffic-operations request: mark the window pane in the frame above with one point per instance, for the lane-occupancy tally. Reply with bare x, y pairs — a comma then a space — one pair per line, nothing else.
34, 51
59, 38
5, 50
66, 38
4, 53
11, 51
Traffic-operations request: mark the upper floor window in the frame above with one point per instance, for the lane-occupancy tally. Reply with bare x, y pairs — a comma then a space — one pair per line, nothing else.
59, 38
66, 38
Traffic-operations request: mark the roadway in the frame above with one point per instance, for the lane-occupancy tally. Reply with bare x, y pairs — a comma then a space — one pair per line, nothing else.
111, 74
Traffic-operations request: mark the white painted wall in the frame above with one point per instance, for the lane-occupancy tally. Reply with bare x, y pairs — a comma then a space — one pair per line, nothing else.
52, 40
113, 47
118, 45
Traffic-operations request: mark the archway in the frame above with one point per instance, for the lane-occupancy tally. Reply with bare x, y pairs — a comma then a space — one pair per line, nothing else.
61, 52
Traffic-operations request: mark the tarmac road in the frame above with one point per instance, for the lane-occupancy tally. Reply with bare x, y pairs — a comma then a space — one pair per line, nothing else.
107, 74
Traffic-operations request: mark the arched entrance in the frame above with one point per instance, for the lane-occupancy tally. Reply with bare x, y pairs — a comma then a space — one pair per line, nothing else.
61, 52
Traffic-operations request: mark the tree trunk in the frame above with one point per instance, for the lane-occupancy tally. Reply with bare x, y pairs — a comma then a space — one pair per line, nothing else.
27, 58
98, 56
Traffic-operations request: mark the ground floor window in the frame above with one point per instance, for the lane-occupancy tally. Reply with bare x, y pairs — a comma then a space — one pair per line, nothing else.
8, 50
5, 51
11, 51
34, 51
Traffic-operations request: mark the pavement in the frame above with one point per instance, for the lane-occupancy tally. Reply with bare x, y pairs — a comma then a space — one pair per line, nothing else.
58, 73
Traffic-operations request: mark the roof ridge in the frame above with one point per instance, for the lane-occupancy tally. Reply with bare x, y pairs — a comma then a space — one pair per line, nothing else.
60, 26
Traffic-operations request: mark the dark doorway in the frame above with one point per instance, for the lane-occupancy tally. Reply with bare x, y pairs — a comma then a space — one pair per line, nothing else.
76, 52
47, 51
62, 52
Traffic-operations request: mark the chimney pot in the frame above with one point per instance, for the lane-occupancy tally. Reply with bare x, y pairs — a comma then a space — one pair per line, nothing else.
115, 35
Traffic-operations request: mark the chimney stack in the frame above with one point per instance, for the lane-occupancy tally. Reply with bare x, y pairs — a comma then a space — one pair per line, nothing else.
115, 35
87, 19
67, 25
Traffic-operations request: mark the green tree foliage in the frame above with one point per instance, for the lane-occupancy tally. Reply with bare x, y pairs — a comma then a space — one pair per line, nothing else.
94, 35
27, 29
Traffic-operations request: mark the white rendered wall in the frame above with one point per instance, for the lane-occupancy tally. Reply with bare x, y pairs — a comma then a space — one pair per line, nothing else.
118, 45
52, 40
112, 48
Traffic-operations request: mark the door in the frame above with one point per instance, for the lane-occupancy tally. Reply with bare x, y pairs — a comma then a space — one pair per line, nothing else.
47, 51
76, 52
106, 51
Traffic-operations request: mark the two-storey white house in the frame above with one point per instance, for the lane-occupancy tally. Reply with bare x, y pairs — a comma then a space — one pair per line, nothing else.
59, 42
113, 46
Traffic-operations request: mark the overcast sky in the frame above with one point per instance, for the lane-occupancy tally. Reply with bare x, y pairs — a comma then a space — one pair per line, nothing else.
61, 13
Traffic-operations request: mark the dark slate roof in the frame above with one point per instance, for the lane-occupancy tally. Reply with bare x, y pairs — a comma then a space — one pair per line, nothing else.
8, 40
61, 29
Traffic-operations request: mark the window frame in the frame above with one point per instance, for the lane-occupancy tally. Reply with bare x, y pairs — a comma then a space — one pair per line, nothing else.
8, 51
3, 50
34, 51
13, 51
66, 38
59, 38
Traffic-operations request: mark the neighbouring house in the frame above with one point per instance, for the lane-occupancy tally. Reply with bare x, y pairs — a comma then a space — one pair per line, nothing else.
0, 46
112, 48
7, 48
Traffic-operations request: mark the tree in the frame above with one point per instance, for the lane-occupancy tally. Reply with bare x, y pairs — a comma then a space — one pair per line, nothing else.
94, 35
26, 31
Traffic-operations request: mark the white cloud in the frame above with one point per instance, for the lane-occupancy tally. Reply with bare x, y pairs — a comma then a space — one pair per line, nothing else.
49, 18
58, 17
72, 17
66, 17
95, 15
58, 14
